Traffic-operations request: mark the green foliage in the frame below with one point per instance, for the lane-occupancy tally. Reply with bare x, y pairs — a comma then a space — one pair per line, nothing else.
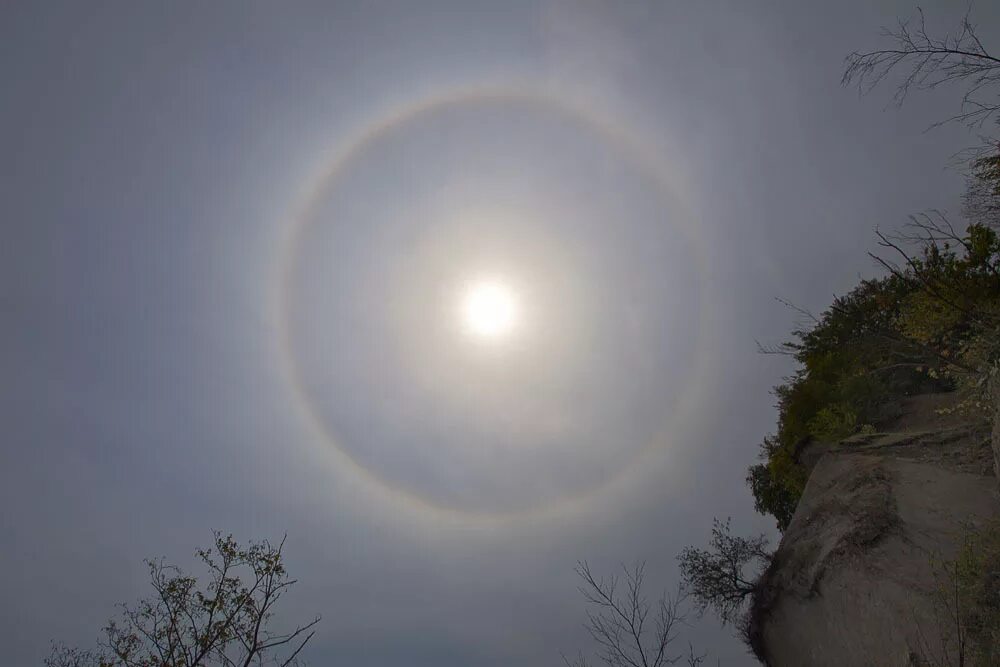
774, 492
867, 429
928, 326
846, 373
834, 422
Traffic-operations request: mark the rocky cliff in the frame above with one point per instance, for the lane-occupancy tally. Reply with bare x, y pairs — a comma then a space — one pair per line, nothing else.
857, 575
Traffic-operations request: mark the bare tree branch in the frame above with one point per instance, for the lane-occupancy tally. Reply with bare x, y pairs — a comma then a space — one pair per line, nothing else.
224, 623
926, 62
618, 621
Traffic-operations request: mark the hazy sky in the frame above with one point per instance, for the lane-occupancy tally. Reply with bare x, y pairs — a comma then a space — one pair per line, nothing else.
235, 241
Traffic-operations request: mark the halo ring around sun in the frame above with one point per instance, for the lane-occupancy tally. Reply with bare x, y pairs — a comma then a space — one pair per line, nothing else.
616, 134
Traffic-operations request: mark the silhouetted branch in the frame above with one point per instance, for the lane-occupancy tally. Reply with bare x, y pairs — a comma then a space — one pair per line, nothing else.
718, 577
618, 621
927, 62
226, 622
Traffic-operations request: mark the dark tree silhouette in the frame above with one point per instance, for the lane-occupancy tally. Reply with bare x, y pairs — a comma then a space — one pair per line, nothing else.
926, 62
723, 577
225, 623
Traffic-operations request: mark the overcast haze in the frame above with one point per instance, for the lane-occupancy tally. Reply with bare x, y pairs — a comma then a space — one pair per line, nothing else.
235, 242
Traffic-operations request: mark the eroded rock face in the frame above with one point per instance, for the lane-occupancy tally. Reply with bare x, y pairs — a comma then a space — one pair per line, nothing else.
995, 391
854, 577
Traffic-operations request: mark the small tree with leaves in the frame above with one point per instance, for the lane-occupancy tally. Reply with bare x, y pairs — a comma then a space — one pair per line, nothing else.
724, 576
225, 622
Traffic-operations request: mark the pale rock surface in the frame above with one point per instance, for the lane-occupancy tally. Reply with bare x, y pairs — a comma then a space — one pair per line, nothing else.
853, 579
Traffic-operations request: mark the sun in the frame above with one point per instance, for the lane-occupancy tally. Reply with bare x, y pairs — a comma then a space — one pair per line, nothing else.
489, 309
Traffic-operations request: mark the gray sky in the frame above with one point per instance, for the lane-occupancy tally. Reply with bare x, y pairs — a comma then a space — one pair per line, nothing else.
234, 234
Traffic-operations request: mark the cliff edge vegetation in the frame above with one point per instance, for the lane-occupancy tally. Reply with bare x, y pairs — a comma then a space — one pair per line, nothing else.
932, 324
882, 471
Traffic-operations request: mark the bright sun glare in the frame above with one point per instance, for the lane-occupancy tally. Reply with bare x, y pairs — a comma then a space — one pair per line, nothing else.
489, 309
